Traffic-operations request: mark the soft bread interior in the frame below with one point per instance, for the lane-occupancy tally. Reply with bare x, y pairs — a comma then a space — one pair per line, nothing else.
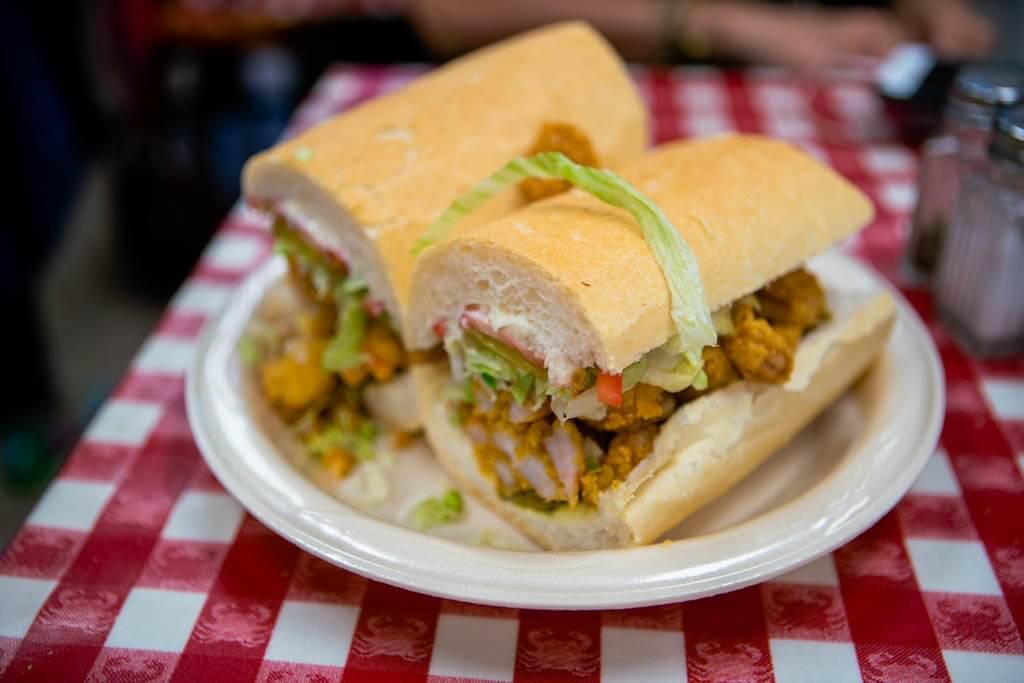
370, 180
522, 298
706, 447
575, 282
306, 204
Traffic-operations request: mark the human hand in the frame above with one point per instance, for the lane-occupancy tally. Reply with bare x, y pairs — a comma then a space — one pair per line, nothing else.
952, 27
794, 37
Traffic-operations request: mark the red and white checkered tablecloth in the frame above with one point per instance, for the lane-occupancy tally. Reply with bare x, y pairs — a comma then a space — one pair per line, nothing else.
137, 566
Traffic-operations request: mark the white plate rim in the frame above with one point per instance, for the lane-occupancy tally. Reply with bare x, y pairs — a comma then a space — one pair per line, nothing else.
603, 579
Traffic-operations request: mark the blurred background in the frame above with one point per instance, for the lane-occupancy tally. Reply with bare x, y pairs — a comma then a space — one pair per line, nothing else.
129, 120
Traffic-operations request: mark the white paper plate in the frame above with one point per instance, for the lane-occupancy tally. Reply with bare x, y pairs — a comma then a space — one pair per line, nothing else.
841, 474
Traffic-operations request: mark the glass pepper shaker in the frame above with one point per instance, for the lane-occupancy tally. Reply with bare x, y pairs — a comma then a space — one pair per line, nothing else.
978, 93
979, 282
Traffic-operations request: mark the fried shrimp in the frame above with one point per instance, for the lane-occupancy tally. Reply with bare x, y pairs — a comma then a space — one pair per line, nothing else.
557, 137
624, 452
642, 403
532, 456
384, 353
794, 299
295, 380
718, 369
758, 352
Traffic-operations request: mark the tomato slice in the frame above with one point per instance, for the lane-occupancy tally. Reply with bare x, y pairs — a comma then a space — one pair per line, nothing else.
438, 329
609, 389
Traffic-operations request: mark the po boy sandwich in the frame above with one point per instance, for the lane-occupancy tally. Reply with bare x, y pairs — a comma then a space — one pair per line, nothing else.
350, 196
620, 356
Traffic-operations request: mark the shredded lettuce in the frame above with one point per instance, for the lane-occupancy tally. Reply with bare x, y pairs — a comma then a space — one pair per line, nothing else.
689, 306
323, 274
354, 284
683, 376
357, 440
672, 371
521, 388
343, 350
531, 501
436, 511
257, 343
288, 242
586, 405
632, 375
506, 353
249, 350
347, 290
501, 367
460, 392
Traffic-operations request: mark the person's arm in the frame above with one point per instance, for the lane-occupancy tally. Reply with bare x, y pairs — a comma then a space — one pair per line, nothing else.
953, 28
789, 36
454, 26
749, 31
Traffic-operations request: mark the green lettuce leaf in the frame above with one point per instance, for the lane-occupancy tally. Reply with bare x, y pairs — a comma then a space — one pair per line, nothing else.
348, 290
460, 392
345, 434
257, 342
632, 375
502, 367
323, 274
520, 389
436, 511
354, 284
672, 371
249, 350
289, 243
343, 350
506, 353
689, 307
531, 501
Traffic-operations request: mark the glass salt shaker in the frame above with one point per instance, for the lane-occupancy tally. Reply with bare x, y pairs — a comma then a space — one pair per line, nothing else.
979, 282
978, 92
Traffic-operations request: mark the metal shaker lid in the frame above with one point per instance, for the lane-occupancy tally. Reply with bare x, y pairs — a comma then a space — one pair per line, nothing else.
1008, 140
979, 91
992, 84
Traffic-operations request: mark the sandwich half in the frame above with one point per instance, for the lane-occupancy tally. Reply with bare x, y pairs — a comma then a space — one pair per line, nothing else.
349, 196
594, 395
